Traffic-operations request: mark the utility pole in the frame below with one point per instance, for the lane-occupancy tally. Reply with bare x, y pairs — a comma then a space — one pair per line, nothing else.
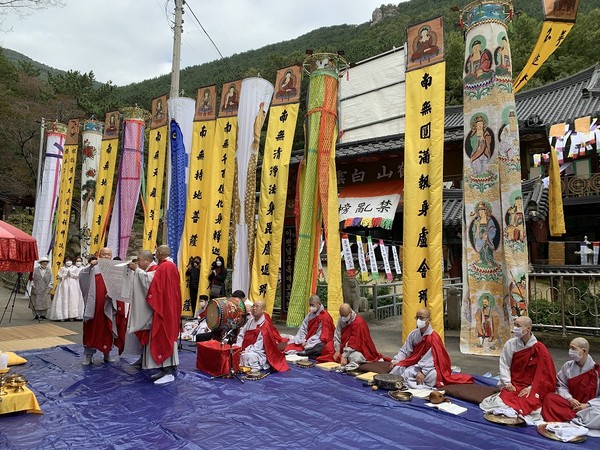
177, 30
40, 158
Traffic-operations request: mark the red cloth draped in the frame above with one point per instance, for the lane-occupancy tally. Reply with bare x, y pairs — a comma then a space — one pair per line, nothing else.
441, 360
327, 330
18, 250
533, 367
97, 332
213, 358
144, 335
583, 388
275, 357
164, 297
358, 337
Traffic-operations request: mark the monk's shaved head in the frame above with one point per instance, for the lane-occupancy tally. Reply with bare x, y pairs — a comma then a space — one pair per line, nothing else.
581, 343
424, 312
105, 253
524, 322
345, 309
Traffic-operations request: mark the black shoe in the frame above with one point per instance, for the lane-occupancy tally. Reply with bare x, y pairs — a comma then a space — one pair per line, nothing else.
36, 318
43, 317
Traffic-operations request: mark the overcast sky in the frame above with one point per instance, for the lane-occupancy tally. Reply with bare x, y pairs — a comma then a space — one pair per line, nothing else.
131, 40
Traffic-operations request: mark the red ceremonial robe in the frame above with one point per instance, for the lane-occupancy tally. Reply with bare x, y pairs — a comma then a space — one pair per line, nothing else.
533, 367
358, 337
144, 335
275, 357
164, 297
97, 332
582, 387
121, 321
327, 330
441, 360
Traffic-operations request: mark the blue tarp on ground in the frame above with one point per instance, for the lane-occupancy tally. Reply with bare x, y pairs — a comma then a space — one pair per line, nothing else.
114, 406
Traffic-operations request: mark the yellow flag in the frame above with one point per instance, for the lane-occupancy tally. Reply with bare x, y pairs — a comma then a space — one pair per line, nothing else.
423, 159
556, 214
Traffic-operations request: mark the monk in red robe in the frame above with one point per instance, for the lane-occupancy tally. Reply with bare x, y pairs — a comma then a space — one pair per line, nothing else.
527, 373
99, 324
423, 360
258, 340
315, 335
352, 342
577, 396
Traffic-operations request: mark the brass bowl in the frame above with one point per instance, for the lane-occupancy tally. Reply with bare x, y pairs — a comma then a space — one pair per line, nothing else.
18, 384
245, 369
401, 396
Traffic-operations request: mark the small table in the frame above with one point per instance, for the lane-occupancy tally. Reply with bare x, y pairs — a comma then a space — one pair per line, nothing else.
213, 358
19, 401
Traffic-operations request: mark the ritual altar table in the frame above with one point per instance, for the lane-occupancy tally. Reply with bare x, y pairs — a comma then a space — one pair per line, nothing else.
19, 401
213, 358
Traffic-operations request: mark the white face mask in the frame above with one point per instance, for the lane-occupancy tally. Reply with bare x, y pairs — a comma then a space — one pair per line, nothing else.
346, 319
218, 263
313, 309
69, 263
518, 332
78, 263
574, 355
421, 323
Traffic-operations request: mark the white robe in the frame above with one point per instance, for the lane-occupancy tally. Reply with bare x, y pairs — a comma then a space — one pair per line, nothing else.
254, 355
68, 300
588, 417
425, 364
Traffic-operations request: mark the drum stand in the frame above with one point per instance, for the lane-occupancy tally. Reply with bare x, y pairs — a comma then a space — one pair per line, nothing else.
231, 373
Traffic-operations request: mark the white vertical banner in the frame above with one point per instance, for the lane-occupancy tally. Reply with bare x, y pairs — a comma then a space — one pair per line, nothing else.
372, 258
386, 260
347, 253
362, 263
396, 261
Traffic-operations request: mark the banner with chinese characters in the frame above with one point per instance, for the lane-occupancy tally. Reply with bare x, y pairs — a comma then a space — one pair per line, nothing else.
129, 181
319, 193
221, 162
104, 181
45, 202
370, 205
273, 190
348, 258
91, 138
372, 259
65, 198
495, 256
255, 100
362, 261
386, 260
424, 159
559, 18
194, 235
157, 152
556, 213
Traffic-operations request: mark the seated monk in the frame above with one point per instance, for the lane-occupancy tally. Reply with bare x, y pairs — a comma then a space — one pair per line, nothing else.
352, 341
526, 373
423, 360
577, 396
258, 342
315, 335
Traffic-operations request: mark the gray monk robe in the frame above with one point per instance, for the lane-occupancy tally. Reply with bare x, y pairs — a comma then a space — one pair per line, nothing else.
140, 316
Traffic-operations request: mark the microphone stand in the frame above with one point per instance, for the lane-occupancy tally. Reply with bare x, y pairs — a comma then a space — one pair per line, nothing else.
228, 338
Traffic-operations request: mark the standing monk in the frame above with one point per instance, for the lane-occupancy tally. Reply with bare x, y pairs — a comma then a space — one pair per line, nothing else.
577, 397
527, 373
159, 329
99, 324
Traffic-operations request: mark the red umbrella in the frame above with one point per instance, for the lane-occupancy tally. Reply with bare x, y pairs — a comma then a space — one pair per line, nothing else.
18, 250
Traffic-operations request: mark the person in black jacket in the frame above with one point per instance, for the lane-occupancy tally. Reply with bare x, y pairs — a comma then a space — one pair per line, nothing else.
217, 277
193, 272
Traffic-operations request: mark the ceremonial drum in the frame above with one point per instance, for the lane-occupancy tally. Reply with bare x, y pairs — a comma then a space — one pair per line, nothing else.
225, 313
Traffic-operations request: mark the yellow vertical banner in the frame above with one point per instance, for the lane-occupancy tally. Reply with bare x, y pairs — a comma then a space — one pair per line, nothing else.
271, 206
157, 152
221, 161
559, 18
423, 158
194, 230
65, 197
104, 181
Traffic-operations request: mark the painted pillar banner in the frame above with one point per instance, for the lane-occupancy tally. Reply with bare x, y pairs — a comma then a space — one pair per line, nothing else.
220, 191
155, 174
348, 258
104, 181
255, 100
194, 232
372, 259
65, 198
495, 259
129, 182
319, 194
423, 176
559, 18
271, 204
386, 260
45, 202
90, 153
362, 262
